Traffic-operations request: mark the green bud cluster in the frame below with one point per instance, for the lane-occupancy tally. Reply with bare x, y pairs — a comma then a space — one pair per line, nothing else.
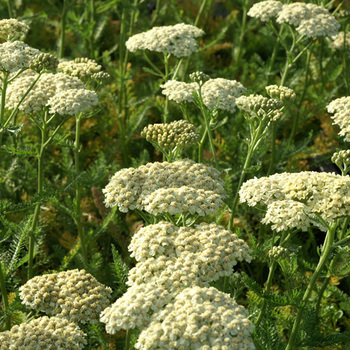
199, 77
43, 62
179, 134
277, 252
342, 160
281, 93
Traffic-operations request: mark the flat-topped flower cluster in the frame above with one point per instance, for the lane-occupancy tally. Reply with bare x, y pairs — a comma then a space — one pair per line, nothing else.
178, 40
310, 20
178, 187
341, 109
178, 263
296, 200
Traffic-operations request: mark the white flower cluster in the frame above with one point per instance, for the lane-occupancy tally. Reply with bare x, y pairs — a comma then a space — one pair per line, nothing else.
340, 42
72, 101
171, 259
44, 333
199, 318
199, 255
184, 199
136, 307
341, 109
261, 106
178, 40
294, 200
132, 188
16, 55
223, 90
74, 294
180, 133
83, 68
12, 29
281, 93
48, 85
179, 91
265, 10
309, 19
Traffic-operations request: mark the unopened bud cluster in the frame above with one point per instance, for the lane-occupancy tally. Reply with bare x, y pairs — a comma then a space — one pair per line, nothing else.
258, 105
281, 93
52, 333
44, 62
342, 159
180, 133
199, 77
81, 67
74, 294
277, 252
12, 29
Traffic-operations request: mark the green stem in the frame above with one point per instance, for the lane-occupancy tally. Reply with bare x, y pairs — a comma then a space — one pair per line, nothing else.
77, 211
3, 100
326, 251
201, 146
62, 30
92, 21
306, 85
4, 295
127, 339
10, 8
35, 219
242, 34
254, 142
200, 12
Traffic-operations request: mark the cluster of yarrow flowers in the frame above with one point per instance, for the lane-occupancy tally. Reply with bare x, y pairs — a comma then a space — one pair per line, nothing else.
173, 188
51, 333
220, 93
170, 283
178, 40
340, 107
299, 200
73, 294
310, 20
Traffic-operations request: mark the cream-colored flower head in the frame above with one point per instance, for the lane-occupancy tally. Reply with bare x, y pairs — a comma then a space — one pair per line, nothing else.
211, 247
297, 12
48, 85
223, 90
135, 308
341, 109
199, 318
72, 101
178, 40
321, 25
294, 200
261, 106
277, 252
83, 68
132, 188
44, 333
265, 10
74, 294
179, 91
281, 93
16, 55
12, 29
339, 42
311, 20
179, 134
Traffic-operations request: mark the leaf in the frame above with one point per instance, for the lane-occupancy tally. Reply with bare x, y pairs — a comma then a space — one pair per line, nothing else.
120, 270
